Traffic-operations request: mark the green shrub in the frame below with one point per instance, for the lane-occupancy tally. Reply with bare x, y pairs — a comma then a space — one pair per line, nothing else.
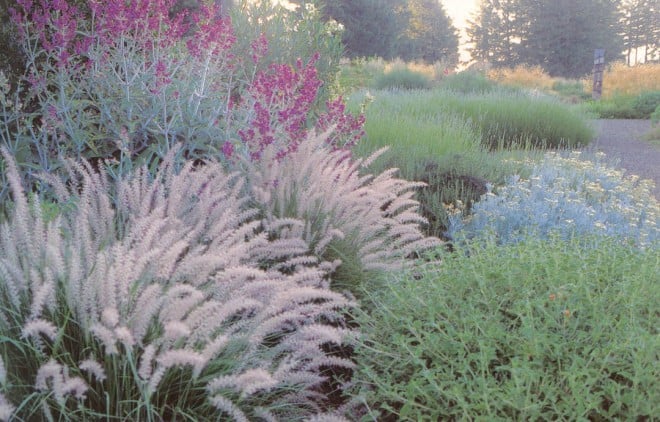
468, 82
358, 73
570, 89
541, 330
645, 104
654, 134
655, 116
626, 106
402, 78
509, 119
503, 118
416, 128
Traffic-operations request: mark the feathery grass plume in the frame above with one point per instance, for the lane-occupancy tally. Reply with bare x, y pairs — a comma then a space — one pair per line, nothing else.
142, 296
6, 409
369, 219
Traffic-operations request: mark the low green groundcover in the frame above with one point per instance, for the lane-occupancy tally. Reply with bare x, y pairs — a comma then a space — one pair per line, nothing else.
539, 330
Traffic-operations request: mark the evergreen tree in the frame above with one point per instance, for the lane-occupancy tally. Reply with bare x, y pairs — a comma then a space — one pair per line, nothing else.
562, 35
429, 35
409, 29
371, 27
641, 30
493, 33
559, 35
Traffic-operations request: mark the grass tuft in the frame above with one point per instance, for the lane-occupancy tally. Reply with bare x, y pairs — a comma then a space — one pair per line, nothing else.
402, 78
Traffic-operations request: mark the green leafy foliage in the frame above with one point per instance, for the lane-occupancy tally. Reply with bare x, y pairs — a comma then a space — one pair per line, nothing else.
621, 106
417, 30
616, 107
646, 104
468, 82
429, 35
402, 78
509, 119
655, 117
570, 89
541, 330
369, 27
503, 118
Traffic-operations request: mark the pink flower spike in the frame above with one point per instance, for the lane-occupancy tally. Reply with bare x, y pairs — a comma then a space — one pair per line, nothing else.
259, 48
228, 149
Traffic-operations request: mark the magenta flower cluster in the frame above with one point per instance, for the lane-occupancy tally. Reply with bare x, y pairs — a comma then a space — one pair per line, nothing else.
348, 129
55, 22
274, 108
146, 21
281, 98
150, 21
214, 35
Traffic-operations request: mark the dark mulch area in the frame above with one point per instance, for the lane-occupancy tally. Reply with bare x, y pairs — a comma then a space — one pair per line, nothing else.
620, 140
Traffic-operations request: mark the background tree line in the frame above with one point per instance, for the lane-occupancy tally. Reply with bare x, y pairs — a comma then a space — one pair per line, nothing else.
407, 29
557, 35
561, 35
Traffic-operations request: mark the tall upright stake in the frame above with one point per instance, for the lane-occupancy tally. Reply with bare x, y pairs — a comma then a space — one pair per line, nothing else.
599, 67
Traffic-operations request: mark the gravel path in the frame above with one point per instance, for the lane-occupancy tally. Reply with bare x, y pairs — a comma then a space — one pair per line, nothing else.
619, 139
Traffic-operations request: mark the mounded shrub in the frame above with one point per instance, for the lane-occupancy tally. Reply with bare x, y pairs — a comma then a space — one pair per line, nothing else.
646, 103
502, 118
655, 117
572, 90
566, 196
468, 82
518, 119
402, 78
622, 106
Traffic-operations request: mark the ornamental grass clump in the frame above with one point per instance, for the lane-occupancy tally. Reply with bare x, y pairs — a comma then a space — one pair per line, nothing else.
160, 297
523, 76
364, 221
566, 196
403, 78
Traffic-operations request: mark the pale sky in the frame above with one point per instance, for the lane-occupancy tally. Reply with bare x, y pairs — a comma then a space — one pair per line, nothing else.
460, 11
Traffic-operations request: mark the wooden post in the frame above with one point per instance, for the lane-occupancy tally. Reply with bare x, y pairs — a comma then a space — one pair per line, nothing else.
599, 67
